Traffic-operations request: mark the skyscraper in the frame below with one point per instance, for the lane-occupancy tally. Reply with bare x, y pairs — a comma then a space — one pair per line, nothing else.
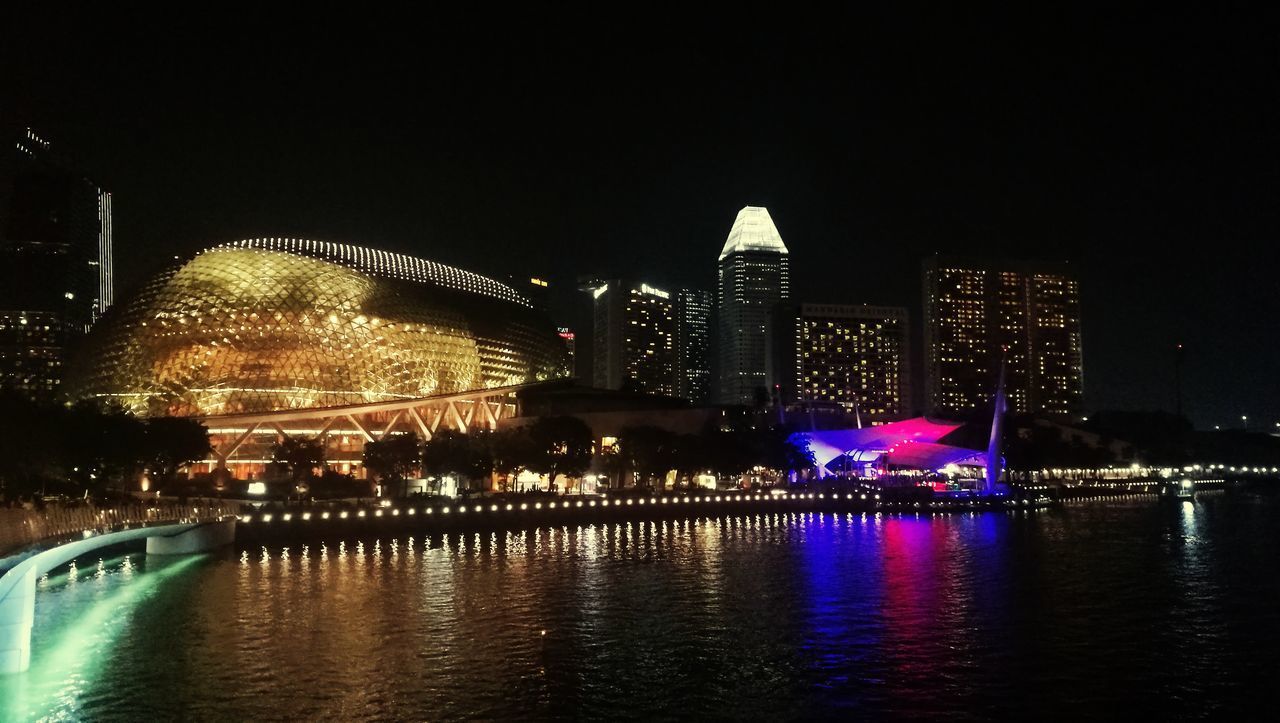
634, 339
55, 265
851, 356
570, 344
693, 344
754, 276
976, 312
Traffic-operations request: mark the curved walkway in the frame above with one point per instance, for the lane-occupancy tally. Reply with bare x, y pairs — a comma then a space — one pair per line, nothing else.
54, 540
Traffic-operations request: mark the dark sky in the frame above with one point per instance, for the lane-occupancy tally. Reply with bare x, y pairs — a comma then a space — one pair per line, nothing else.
1144, 148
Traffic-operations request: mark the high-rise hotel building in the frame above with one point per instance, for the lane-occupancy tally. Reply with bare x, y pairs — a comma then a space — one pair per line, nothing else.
754, 276
55, 264
855, 357
634, 337
976, 312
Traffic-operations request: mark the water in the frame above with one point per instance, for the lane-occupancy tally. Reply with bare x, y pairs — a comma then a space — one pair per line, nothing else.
1129, 606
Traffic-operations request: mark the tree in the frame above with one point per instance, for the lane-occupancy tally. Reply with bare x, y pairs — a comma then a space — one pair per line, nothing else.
453, 453
613, 463
691, 457
783, 451
100, 444
649, 451
731, 452
392, 458
510, 451
172, 443
30, 444
299, 456
561, 446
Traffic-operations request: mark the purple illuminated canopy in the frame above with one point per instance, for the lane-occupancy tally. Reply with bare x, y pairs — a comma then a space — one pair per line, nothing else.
909, 443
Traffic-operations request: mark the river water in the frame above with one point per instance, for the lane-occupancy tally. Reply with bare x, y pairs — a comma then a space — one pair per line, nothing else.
1096, 608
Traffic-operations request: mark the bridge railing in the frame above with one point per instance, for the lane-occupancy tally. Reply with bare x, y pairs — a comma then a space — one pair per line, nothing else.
21, 527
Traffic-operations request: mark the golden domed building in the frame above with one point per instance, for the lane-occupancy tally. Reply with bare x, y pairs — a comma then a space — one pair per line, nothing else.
263, 336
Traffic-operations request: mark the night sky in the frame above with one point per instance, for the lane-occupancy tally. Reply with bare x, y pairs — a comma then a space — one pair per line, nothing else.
1143, 148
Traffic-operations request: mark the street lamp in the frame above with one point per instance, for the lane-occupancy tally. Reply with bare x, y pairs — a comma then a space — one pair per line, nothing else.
1244, 419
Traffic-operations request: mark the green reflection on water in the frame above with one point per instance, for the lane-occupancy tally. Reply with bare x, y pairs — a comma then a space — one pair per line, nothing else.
80, 613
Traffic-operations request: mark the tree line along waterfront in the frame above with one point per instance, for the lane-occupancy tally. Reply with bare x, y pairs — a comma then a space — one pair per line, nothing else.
91, 450
86, 449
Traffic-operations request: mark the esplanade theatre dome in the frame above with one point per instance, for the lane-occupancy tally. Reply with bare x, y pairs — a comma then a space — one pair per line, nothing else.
275, 324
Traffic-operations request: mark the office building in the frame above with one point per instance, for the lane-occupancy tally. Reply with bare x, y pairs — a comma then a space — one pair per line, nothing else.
693, 344
978, 312
55, 265
753, 278
570, 344
854, 357
634, 337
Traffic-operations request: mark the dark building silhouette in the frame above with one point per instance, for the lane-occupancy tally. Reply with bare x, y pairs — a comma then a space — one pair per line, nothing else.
55, 264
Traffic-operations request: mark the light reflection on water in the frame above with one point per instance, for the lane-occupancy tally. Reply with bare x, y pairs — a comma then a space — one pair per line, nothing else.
1070, 612
78, 622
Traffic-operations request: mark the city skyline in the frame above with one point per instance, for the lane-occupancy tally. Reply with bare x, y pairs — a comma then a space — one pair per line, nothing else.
871, 166
407, 363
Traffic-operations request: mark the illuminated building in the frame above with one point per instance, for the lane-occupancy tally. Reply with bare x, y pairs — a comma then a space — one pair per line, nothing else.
262, 336
570, 344
634, 342
693, 344
975, 312
851, 356
55, 265
754, 276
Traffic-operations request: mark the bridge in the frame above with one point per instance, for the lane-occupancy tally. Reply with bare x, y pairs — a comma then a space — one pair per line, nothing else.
35, 542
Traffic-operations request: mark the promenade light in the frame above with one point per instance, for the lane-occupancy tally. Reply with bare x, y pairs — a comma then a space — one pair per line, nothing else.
343, 514
306, 515
413, 511
509, 507
286, 517
266, 518
524, 505
537, 505
324, 515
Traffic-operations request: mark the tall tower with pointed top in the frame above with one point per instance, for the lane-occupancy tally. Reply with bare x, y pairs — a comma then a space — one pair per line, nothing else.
754, 277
